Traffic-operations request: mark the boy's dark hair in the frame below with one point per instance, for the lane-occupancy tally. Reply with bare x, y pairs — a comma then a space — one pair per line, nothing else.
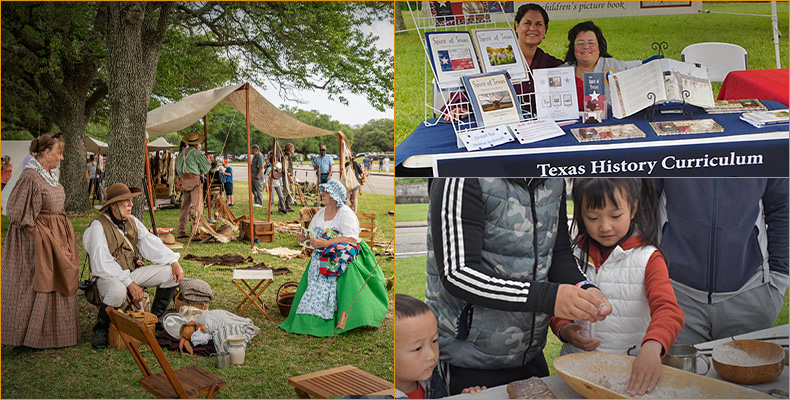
595, 193
409, 307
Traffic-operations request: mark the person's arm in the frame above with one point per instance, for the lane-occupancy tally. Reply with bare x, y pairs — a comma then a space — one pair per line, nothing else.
457, 223
666, 317
331, 166
103, 264
776, 217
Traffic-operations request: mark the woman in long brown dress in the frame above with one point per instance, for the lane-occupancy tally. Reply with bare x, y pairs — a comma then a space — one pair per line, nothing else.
40, 257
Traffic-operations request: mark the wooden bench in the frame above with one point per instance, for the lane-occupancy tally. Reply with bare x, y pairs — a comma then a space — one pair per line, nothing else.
183, 383
345, 380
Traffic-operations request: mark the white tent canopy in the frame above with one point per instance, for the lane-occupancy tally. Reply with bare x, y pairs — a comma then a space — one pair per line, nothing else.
264, 115
160, 144
95, 146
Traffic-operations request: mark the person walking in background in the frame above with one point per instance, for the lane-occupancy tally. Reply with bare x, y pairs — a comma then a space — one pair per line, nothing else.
381, 163
8, 170
387, 163
40, 259
93, 181
228, 172
726, 240
366, 164
257, 176
191, 164
288, 175
323, 164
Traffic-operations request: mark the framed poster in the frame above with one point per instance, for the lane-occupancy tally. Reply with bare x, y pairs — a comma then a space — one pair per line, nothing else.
452, 56
493, 99
498, 50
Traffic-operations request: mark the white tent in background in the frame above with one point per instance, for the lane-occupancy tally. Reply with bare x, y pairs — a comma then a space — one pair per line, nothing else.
160, 144
95, 146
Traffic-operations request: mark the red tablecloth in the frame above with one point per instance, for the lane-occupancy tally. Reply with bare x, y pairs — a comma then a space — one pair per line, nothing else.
763, 84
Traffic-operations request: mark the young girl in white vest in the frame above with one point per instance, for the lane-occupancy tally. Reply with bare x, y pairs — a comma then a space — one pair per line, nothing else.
616, 246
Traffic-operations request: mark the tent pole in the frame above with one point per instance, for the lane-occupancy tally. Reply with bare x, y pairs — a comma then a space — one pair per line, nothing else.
208, 175
271, 180
148, 182
249, 163
775, 28
341, 153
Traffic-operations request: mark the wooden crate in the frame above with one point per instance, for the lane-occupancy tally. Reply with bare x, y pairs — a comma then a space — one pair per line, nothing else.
368, 228
161, 191
263, 230
115, 337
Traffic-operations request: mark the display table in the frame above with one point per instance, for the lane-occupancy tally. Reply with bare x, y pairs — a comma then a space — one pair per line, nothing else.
432, 151
563, 391
767, 84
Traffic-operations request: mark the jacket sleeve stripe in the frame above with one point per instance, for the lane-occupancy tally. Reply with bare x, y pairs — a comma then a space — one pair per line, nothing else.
456, 270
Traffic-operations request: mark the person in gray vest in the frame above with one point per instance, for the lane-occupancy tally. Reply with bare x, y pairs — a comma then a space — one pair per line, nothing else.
116, 243
499, 265
256, 166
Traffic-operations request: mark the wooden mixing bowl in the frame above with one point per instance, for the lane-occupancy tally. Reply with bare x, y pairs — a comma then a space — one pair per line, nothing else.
749, 361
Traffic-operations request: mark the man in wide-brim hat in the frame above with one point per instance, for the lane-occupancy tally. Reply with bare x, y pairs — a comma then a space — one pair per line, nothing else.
190, 165
116, 243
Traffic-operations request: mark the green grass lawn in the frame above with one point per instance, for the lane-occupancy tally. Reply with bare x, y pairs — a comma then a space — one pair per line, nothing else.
271, 357
629, 38
411, 212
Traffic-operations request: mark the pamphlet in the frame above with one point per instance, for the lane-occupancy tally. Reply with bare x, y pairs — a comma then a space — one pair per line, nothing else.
498, 50
594, 98
686, 127
555, 93
657, 82
613, 132
452, 56
761, 119
493, 99
484, 138
736, 106
537, 130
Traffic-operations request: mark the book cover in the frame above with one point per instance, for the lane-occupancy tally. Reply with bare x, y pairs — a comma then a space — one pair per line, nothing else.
498, 50
761, 119
452, 56
594, 98
493, 99
687, 127
555, 93
613, 132
736, 106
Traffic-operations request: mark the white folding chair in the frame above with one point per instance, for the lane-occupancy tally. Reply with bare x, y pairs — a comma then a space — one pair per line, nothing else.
720, 58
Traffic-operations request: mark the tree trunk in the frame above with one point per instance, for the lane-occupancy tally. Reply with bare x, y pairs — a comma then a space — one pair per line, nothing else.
72, 169
400, 24
131, 50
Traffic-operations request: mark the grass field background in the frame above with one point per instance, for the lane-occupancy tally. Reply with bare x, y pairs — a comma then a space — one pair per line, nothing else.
629, 38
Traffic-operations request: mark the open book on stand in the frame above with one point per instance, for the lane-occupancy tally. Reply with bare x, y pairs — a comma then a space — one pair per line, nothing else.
657, 82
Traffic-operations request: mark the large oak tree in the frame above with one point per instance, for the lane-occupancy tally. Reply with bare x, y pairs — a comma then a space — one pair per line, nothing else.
296, 46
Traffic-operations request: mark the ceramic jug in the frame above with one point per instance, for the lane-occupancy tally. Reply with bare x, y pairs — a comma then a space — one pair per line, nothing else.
236, 348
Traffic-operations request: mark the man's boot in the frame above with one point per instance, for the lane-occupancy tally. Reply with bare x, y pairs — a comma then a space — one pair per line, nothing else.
161, 303
101, 329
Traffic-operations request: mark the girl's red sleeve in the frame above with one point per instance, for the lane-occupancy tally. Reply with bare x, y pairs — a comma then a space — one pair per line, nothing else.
666, 317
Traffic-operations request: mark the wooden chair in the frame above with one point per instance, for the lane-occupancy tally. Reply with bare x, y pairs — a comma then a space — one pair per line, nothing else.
345, 380
367, 226
184, 383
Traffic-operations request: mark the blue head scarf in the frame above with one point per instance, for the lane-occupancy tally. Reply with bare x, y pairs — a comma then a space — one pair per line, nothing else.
336, 191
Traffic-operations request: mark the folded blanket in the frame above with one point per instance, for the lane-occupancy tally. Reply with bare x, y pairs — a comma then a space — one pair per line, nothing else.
221, 324
196, 291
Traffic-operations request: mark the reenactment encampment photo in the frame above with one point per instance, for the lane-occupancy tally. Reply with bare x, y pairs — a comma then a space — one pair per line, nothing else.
184, 212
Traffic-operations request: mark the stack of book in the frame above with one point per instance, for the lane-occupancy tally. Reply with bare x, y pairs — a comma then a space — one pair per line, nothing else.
761, 119
736, 106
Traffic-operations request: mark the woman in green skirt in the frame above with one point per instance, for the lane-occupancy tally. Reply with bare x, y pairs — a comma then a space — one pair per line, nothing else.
334, 281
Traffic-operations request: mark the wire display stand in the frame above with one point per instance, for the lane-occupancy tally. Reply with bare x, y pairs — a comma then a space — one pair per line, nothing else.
452, 104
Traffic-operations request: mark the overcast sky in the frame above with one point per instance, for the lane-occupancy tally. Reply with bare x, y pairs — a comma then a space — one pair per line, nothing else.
359, 109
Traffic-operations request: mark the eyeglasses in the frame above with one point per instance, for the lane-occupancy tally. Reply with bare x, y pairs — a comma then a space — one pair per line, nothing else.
581, 43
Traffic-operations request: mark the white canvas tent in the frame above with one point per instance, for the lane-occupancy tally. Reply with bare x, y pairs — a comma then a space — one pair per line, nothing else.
255, 108
95, 146
160, 144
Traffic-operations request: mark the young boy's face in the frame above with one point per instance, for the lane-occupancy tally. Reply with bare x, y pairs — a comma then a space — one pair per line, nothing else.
416, 350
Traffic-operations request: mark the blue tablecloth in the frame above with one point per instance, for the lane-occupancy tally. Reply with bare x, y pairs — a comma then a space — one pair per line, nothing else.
432, 151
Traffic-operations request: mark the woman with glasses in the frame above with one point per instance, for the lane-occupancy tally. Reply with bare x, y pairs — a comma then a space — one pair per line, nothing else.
587, 52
